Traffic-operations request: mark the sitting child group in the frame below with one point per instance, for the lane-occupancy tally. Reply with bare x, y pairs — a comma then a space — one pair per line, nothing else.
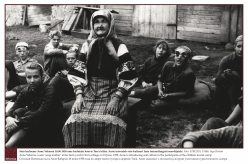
78, 97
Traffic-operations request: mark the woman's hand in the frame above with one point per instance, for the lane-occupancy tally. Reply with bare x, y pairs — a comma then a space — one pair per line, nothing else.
78, 105
11, 124
113, 105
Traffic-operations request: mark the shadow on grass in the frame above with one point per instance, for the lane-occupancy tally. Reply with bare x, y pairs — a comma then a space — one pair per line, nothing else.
166, 131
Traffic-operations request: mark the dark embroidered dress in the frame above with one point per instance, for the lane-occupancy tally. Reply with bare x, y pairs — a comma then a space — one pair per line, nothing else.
109, 69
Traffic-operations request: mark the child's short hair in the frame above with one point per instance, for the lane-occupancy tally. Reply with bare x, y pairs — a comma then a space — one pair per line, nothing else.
162, 41
55, 33
187, 49
238, 39
35, 65
73, 49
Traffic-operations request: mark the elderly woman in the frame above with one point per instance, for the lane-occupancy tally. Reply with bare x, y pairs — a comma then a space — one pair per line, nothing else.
54, 54
101, 101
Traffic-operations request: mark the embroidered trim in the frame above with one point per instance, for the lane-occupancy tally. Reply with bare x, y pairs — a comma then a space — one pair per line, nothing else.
127, 84
74, 80
127, 66
80, 66
108, 119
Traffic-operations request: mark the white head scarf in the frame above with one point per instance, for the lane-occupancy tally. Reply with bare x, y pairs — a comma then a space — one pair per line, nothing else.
106, 14
105, 41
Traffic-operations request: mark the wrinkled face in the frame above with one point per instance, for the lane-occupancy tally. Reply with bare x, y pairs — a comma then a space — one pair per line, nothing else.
34, 78
71, 58
101, 26
160, 51
239, 48
55, 40
181, 57
22, 52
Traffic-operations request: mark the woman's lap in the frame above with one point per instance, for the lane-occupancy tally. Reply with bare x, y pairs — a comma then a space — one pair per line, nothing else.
107, 126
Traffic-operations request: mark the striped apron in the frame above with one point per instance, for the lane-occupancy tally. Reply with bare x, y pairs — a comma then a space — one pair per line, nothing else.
95, 124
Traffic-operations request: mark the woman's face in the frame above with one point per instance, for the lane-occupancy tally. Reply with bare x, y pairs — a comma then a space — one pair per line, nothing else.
239, 48
71, 59
181, 57
160, 51
101, 26
55, 40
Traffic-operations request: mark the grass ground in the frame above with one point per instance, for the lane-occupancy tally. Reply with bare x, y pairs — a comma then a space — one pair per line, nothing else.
152, 130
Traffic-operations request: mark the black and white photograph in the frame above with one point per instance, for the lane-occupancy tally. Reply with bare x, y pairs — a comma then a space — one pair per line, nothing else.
123, 76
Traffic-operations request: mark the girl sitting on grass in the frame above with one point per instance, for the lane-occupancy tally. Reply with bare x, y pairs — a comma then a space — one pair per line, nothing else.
148, 75
175, 81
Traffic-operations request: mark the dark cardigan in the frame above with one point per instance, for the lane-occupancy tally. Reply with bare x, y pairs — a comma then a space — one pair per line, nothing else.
43, 107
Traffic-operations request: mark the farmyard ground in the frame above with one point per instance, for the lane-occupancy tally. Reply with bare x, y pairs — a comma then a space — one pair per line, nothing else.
152, 130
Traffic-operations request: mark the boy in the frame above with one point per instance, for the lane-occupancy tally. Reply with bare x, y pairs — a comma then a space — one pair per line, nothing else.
36, 113
229, 79
175, 81
15, 74
54, 54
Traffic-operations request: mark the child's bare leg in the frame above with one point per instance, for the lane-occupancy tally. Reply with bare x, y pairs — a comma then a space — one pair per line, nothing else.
17, 138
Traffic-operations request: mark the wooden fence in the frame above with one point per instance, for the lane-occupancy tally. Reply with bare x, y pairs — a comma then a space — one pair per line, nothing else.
123, 20
203, 23
157, 21
209, 23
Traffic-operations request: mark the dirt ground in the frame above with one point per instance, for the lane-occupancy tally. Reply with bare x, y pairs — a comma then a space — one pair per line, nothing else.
152, 130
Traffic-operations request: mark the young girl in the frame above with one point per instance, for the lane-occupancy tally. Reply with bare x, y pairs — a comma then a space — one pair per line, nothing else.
71, 58
77, 68
63, 78
148, 75
176, 80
